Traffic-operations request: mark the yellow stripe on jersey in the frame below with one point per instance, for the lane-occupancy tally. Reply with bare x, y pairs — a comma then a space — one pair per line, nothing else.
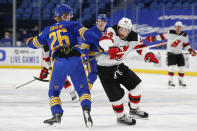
82, 31
100, 50
55, 101
57, 47
91, 53
85, 72
51, 72
54, 98
89, 68
77, 46
90, 85
83, 55
85, 97
85, 46
36, 43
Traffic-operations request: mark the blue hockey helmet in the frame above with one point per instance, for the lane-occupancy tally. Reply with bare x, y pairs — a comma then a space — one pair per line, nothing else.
102, 17
62, 9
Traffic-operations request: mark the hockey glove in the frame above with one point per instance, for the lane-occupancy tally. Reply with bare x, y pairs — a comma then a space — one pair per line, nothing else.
113, 52
150, 38
150, 57
192, 52
44, 73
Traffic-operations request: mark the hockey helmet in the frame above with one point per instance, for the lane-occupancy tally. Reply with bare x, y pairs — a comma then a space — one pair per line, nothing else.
62, 9
102, 17
125, 23
178, 23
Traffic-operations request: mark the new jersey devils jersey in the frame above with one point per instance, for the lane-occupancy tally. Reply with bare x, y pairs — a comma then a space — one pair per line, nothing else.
177, 45
111, 38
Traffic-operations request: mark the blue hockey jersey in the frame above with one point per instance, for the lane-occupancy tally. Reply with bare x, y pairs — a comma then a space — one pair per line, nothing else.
63, 33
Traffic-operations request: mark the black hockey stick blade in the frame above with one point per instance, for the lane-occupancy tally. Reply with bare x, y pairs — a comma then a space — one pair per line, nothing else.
41, 79
25, 83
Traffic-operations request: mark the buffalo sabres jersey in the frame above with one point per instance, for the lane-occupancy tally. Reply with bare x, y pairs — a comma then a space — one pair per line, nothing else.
63, 33
91, 49
111, 38
175, 46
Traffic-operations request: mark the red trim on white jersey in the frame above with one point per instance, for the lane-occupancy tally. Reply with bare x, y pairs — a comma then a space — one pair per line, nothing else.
162, 37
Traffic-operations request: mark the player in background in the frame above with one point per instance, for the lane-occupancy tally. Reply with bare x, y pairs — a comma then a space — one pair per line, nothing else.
46, 65
65, 53
174, 52
118, 40
89, 49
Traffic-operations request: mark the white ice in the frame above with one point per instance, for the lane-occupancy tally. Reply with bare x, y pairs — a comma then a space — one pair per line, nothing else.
25, 109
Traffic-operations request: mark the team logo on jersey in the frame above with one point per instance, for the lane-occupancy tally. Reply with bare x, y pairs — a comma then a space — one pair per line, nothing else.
123, 49
176, 43
56, 87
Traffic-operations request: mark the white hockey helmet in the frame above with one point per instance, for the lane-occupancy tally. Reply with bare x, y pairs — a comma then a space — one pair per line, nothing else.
125, 23
178, 23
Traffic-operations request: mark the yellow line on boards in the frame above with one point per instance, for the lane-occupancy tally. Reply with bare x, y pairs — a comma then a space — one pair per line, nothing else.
20, 67
161, 72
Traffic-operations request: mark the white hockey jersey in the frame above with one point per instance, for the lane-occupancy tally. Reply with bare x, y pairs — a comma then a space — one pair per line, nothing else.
111, 38
177, 45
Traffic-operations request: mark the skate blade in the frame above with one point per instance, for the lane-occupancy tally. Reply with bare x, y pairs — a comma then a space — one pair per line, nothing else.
182, 87
52, 125
137, 117
127, 124
171, 87
89, 124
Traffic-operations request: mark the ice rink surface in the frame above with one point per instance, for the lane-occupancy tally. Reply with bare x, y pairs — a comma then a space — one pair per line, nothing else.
25, 109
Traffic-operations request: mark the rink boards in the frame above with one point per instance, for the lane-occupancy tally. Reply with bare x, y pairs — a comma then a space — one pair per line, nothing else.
15, 57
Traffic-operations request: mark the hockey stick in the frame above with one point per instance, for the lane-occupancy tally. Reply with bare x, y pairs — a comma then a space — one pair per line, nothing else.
156, 45
95, 56
35, 78
41, 79
25, 83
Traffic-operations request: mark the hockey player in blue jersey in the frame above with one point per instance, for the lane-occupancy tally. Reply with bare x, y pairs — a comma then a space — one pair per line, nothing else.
90, 49
65, 52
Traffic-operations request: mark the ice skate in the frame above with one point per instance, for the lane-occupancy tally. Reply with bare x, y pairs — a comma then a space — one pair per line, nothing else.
56, 119
182, 84
87, 117
137, 113
126, 120
171, 85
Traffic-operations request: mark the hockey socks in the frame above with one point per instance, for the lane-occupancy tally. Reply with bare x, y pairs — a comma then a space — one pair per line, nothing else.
181, 82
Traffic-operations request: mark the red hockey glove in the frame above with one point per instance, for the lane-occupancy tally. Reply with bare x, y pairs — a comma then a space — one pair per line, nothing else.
150, 38
150, 57
113, 52
44, 73
192, 52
